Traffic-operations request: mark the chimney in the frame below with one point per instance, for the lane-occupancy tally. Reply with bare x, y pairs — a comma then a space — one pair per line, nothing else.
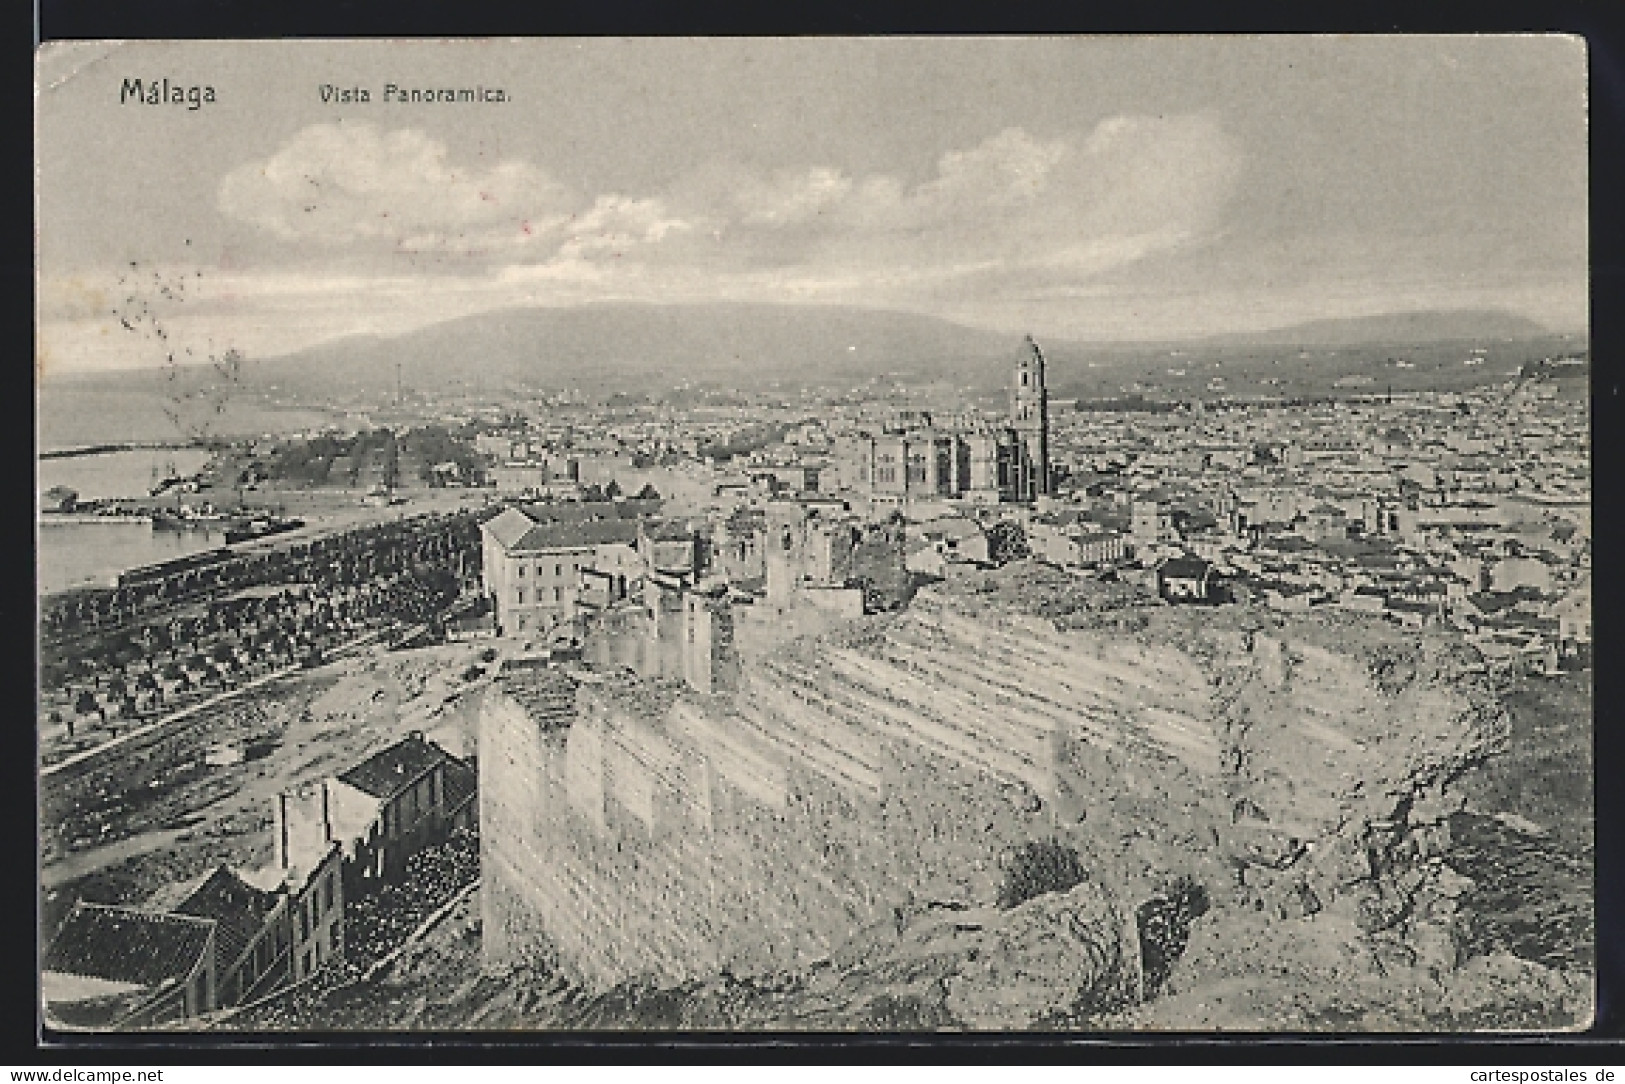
282, 827
327, 824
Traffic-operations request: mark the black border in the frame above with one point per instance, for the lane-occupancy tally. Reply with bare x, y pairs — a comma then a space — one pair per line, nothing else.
1600, 22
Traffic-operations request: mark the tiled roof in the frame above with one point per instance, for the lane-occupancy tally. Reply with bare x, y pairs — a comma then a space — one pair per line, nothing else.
568, 525
390, 771
123, 944
509, 527
745, 521
462, 781
585, 511
561, 536
669, 532
237, 907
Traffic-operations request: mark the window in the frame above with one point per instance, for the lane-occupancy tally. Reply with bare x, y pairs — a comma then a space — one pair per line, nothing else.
558, 594
558, 572
519, 597
521, 571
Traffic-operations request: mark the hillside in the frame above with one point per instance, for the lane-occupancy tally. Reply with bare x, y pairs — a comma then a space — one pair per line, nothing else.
1479, 326
625, 347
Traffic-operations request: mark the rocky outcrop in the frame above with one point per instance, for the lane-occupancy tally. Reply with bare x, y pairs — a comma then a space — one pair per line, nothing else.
1054, 960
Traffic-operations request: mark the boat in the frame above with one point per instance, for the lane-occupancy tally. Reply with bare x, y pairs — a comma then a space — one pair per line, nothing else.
187, 520
263, 527
169, 478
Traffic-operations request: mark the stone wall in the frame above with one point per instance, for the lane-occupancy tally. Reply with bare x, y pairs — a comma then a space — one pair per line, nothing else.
643, 831
665, 835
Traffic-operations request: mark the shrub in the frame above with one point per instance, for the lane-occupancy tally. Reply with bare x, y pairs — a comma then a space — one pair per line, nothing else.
1164, 923
1041, 866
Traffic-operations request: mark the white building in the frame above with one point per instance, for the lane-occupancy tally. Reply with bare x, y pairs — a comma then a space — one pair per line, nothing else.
543, 564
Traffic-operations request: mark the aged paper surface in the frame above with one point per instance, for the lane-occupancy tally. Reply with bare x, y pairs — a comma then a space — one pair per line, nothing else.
843, 534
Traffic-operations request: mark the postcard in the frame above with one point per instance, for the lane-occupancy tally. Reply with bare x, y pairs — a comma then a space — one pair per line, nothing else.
1047, 534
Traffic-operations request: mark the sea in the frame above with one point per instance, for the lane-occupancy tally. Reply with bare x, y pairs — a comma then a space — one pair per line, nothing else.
93, 554
79, 413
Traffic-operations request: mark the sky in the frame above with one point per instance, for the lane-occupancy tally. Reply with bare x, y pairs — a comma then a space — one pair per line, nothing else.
1072, 187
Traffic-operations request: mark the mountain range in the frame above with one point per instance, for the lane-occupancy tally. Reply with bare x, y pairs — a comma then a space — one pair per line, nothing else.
609, 347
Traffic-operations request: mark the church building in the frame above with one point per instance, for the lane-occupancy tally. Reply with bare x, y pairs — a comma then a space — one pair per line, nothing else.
913, 458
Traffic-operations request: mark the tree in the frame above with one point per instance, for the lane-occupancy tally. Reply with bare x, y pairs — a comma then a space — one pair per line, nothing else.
648, 492
1006, 541
1164, 924
1041, 866
86, 703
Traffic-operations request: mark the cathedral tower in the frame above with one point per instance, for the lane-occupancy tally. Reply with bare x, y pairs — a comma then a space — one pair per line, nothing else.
1029, 417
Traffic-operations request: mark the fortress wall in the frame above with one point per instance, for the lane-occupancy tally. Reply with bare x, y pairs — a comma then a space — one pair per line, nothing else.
665, 839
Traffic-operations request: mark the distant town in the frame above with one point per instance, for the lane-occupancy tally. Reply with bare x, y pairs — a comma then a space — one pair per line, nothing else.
561, 564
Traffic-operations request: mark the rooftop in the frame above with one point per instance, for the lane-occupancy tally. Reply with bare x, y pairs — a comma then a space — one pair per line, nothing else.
237, 907
1185, 567
544, 537
390, 771
462, 783
126, 945
568, 524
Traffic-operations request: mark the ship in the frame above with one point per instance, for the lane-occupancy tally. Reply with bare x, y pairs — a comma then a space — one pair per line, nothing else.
168, 478
261, 527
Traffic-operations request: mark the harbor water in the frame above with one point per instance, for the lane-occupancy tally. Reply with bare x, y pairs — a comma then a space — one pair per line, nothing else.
77, 554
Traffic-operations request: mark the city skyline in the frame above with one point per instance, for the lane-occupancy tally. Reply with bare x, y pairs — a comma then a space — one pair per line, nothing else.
1072, 187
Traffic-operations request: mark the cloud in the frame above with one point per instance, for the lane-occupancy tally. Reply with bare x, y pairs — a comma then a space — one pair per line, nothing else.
1069, 206
339, 184
615, 224
992, 226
